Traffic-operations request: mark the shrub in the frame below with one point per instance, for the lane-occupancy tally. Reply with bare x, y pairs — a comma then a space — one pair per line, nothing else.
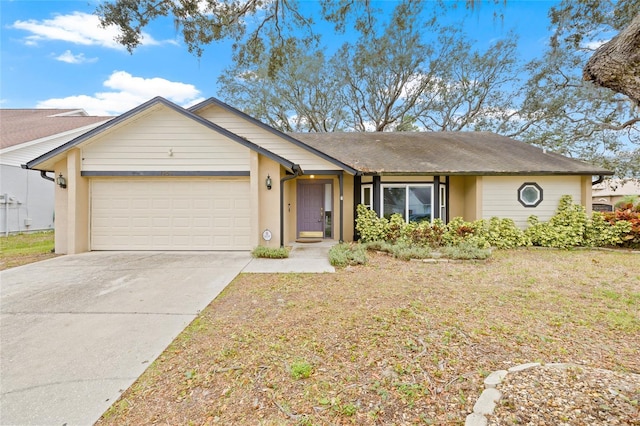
632, 217
408, 252
465, 250
504, 234
567, 228
370, 227
343, 254
601, 232
379, 246
270, 252
424, 234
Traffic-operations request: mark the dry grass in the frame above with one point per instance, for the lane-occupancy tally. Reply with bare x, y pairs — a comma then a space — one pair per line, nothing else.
390, 342
21, 249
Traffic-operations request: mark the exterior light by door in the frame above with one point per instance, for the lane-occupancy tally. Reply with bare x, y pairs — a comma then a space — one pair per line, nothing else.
61, 181
268, 182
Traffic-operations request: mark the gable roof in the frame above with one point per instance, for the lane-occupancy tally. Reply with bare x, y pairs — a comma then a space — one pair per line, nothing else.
25, 125
33, 164
445, 153
320, 153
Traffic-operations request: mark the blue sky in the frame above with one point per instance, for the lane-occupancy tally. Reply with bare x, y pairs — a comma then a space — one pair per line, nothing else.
54, 55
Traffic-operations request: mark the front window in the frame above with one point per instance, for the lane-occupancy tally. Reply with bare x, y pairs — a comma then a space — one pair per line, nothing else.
366, 196
413, 202
530, 194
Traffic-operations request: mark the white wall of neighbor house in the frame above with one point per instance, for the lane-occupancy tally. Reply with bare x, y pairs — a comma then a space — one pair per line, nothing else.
164, 140
26, 201
500, 196
265, 139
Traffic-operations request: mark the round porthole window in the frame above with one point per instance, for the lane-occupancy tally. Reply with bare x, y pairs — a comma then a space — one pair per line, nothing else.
530, 194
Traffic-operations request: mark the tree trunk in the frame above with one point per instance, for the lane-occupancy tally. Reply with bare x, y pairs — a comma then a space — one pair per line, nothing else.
616, 64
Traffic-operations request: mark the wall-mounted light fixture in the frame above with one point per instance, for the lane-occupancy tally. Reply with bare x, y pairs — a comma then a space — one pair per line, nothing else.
61, 181
268, 182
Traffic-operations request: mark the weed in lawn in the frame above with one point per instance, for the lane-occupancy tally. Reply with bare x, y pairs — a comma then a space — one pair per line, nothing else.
623, 321
301, 370
374, 325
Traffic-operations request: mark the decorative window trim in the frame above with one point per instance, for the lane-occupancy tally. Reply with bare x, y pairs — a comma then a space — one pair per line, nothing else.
527, 203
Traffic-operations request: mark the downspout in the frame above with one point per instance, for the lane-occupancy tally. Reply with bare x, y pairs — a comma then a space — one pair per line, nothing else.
43, 175
297, 171
597, 181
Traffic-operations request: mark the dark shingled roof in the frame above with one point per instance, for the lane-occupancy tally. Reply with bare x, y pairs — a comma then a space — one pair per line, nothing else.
23, 125
445, 153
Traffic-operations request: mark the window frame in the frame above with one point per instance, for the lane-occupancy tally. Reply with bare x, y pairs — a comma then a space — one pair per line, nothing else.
406, 187
528, 204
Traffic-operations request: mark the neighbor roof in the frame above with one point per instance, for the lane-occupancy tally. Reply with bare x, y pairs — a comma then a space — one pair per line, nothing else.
25, 125
446, 153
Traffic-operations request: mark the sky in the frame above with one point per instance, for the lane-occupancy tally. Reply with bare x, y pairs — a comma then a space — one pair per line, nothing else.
53, 54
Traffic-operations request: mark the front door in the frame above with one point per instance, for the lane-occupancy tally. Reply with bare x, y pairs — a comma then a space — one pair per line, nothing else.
311, 209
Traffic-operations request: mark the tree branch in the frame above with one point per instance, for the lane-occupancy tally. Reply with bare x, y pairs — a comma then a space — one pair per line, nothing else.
616, 64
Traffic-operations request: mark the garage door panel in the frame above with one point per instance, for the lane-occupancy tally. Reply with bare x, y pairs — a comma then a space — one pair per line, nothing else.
170, 214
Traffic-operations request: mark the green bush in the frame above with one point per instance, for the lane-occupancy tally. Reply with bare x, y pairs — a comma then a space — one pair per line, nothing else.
270, 252
379, 246
504, 234
408, 252
600, 232
465, 250
369, 226
567, 228
343, 254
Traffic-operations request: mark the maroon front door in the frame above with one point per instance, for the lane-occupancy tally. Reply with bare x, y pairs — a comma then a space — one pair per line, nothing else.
310, 209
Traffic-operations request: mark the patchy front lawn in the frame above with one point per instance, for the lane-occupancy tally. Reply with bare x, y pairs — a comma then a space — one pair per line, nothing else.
390, 342
21, 249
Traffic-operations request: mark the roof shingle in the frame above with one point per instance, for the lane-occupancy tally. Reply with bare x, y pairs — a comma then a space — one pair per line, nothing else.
18, 126
444, 153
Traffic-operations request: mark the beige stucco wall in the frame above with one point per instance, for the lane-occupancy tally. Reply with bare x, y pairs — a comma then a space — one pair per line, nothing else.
268, 208
72, 207
61, 210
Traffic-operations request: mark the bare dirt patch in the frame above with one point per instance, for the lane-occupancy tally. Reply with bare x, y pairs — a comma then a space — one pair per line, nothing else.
390, 342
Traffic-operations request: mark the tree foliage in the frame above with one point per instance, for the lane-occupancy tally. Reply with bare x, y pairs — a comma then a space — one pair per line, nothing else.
392, 73
389, 78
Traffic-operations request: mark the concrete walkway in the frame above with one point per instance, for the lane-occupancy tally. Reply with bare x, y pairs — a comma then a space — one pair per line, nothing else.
303, 258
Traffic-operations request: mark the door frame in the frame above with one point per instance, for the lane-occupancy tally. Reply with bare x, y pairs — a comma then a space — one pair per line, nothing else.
322, 182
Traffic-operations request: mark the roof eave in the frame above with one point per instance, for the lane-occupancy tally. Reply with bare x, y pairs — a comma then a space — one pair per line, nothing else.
219, 103
33, 164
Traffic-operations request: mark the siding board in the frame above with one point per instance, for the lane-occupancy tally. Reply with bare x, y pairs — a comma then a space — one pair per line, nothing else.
164, 140
267, 140
500, 196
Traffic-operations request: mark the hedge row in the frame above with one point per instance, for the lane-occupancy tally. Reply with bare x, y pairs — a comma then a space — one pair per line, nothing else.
569, 227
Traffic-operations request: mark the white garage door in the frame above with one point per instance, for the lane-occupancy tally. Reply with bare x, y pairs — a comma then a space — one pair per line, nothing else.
170, 214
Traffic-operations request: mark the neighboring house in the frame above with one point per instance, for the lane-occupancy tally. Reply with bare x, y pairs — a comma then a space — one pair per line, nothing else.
161, 177
26, 199
610, 191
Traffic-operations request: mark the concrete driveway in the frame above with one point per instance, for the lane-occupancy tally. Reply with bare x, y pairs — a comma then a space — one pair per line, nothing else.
76, 331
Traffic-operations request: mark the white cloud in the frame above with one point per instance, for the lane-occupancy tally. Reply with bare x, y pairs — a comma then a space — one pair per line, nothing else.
593, 45
127, 92
77, 28
70, 58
